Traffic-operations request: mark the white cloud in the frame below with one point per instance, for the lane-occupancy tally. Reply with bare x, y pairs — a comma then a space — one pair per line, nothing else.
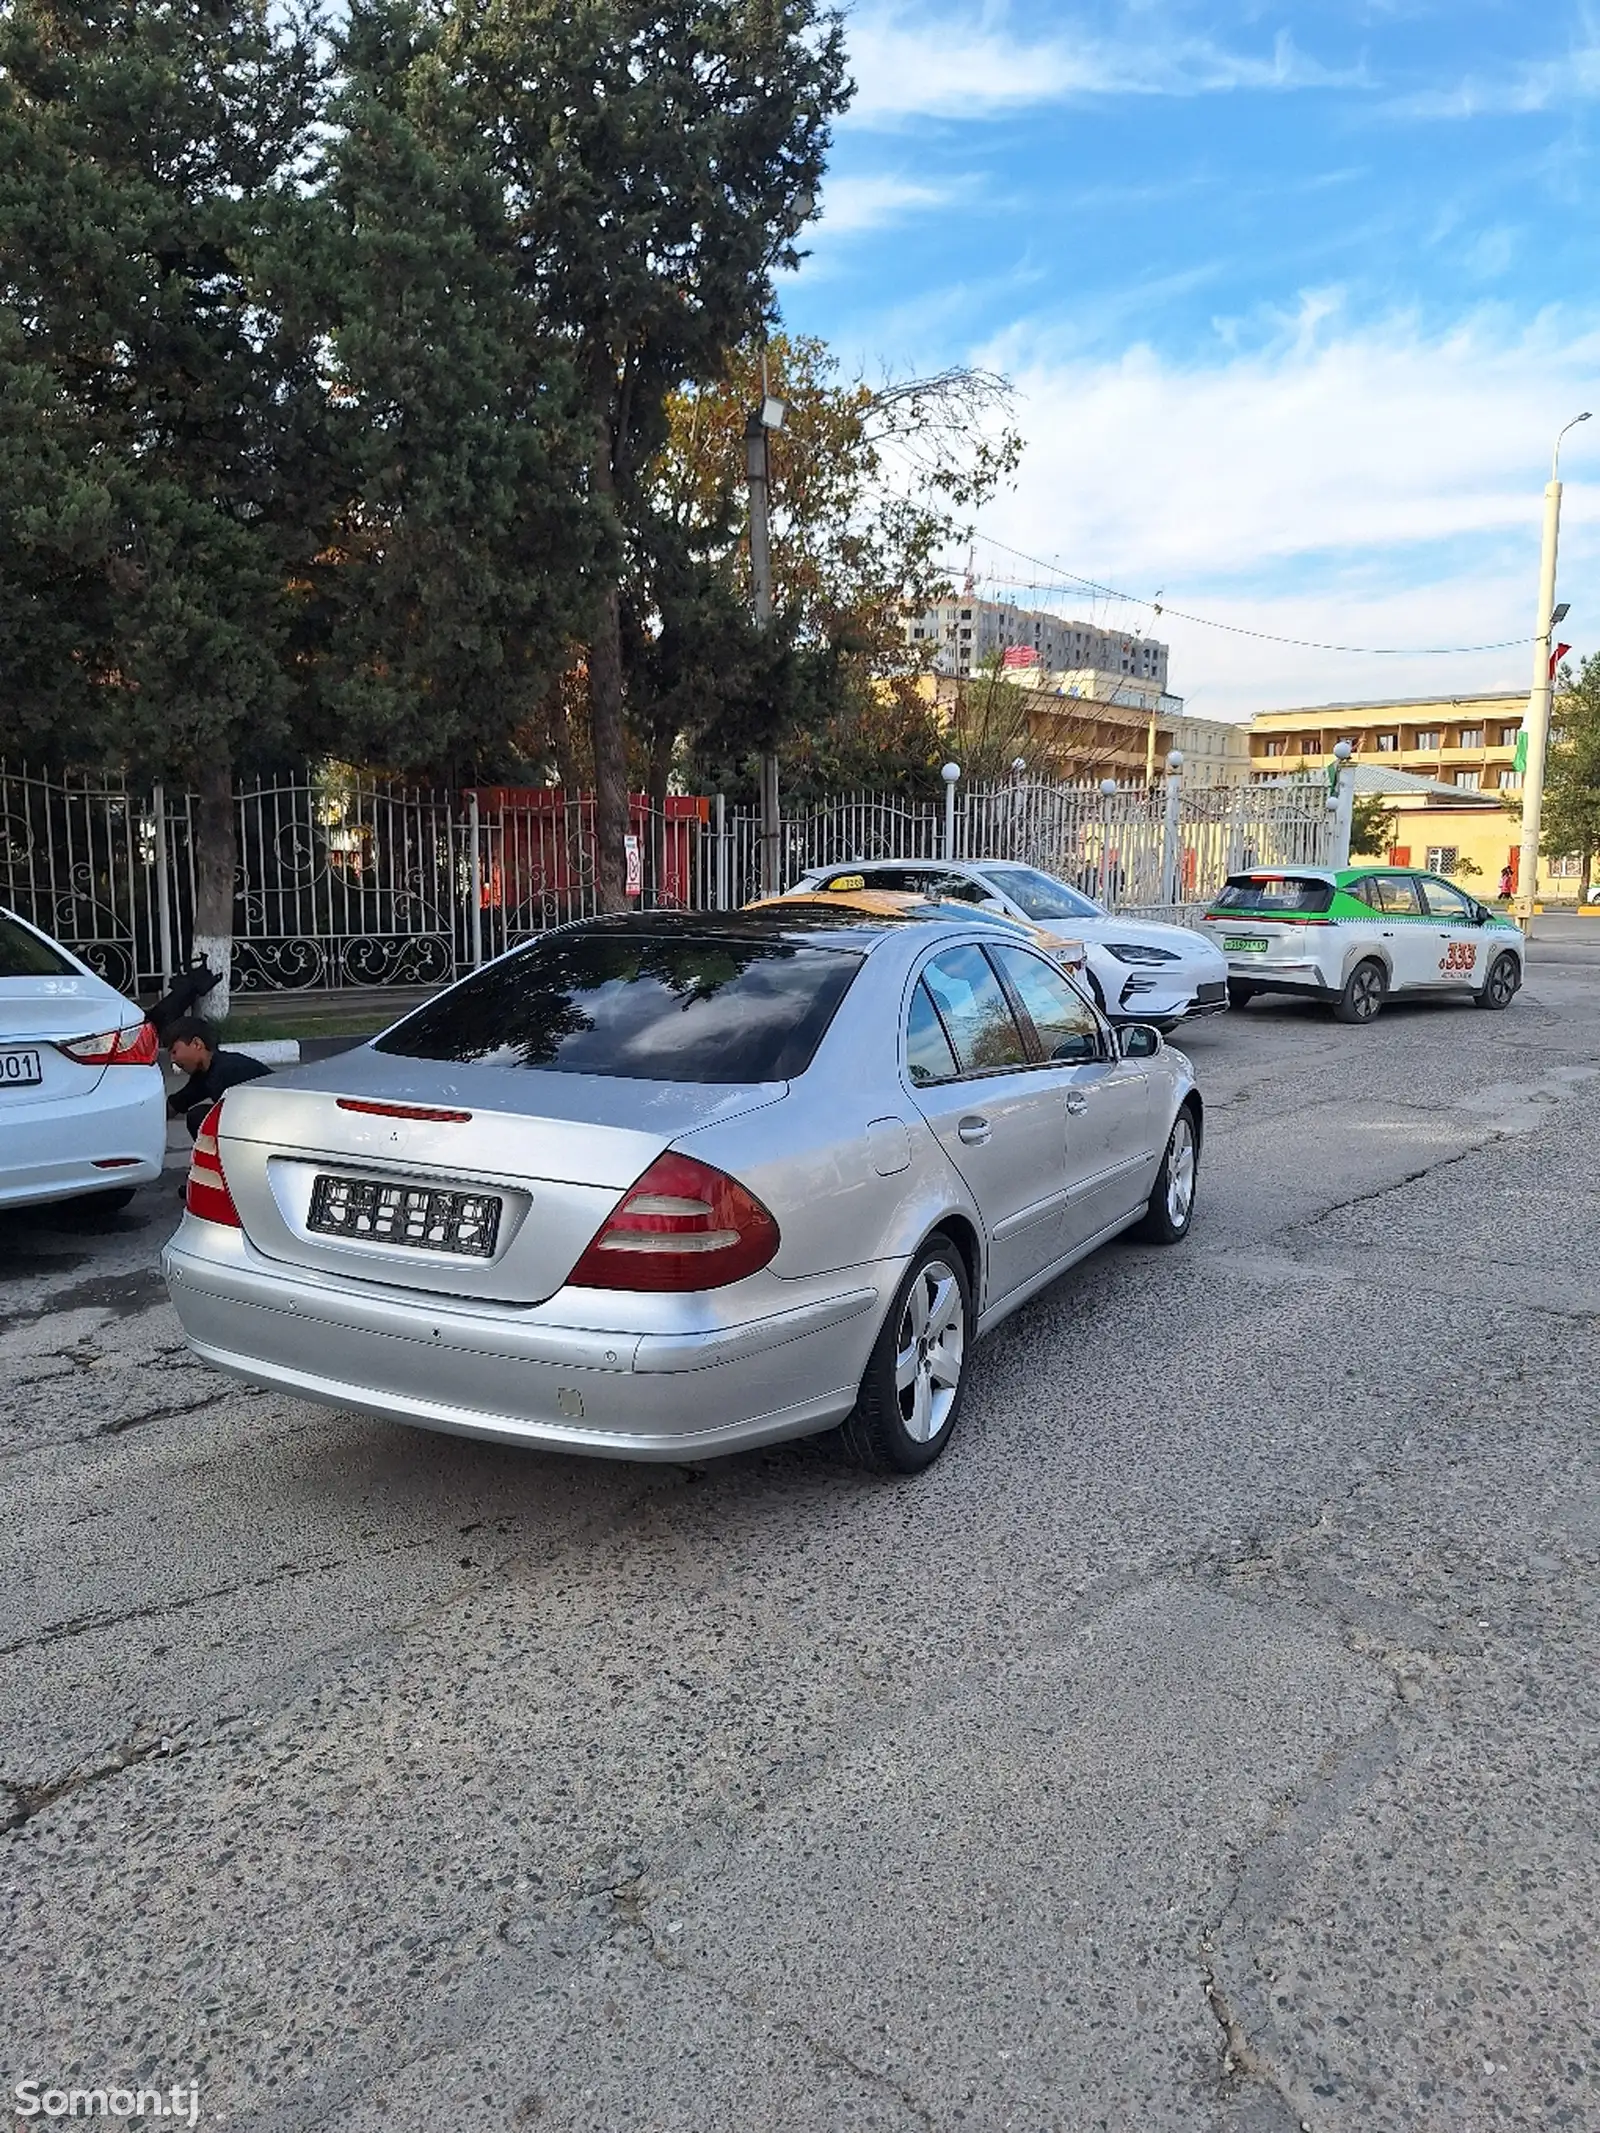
875, 200
1534, 85
1355, 485
910, 62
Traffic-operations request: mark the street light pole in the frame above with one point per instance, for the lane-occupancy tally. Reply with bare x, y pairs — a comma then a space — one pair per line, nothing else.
757, 431
1537, 724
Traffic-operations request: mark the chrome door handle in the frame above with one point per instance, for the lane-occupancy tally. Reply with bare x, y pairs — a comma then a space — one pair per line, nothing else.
973, 1130
1076, 1101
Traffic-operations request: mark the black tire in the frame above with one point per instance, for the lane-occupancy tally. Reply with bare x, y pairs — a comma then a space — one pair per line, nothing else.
908, 1406
1500, 986
1170, 1208
1240, 994
1363, 993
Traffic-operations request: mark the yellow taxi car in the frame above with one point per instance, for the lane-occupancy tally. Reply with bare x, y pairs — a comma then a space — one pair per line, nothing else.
849, 892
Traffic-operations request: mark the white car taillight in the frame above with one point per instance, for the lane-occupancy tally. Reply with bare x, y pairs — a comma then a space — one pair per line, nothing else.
207, 1194
135, 1046
682, 1226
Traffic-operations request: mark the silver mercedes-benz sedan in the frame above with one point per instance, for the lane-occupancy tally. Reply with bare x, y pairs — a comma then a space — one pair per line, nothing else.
668, 1185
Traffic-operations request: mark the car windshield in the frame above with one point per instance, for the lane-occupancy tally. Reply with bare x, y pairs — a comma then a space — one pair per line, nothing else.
1041, 896
1274, 892
707, 1007
25, 955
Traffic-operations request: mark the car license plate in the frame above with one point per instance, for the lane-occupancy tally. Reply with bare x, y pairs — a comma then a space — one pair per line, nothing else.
1243, 944
20, 1070
375, 1213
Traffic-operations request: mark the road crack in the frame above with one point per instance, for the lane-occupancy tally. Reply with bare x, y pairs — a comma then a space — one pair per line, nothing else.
28, 1800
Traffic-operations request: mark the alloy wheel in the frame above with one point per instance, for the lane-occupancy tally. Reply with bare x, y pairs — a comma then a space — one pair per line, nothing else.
1503, 981
929, 1349
1180, 1171
1366, 993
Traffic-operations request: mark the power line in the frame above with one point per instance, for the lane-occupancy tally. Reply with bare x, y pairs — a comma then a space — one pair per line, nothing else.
1234, 629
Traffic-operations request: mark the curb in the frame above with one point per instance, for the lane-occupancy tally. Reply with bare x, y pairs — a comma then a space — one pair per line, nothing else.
271, 1051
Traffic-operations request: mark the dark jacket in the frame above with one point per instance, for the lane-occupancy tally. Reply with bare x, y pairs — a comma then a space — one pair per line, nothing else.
226, 1071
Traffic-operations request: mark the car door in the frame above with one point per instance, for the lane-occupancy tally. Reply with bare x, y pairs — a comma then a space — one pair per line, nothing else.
1457, 941
1109, 1158
1401, 927
998, 1115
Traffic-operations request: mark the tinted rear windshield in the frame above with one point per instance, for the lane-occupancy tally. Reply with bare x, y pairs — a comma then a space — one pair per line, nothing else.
1247, 892
715, 1008
24, 955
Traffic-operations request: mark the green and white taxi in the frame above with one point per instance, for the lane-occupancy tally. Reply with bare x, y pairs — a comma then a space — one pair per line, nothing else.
1355, 936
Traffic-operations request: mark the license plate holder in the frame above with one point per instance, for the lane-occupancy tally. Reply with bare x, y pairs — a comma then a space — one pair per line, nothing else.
21, 1070
420, 1218
1244, 944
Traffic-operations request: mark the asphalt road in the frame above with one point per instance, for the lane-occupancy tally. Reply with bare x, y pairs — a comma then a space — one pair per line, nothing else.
1209, 1742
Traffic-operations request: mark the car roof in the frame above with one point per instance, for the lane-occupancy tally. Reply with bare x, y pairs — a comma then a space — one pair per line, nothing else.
833, 924
1285, 873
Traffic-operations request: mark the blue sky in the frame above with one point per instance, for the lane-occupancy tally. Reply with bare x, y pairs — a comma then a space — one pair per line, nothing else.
1295, 298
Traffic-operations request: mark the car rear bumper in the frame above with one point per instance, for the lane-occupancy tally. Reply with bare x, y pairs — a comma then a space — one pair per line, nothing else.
109, 1137
520, 1375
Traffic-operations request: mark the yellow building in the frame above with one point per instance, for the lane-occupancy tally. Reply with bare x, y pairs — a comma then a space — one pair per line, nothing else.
1465, 741
1462, 819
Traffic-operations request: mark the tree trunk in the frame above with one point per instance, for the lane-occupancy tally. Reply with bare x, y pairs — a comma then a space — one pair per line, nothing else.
607, 736
610, 755
1585, 876
216, 856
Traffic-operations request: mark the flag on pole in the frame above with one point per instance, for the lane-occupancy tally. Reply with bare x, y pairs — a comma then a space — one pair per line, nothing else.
1519, 761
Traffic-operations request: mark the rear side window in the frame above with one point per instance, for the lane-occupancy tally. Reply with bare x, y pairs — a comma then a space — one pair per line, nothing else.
24, 955
928, 1054
975, 1012
1267, 893
702, 1007
917, 881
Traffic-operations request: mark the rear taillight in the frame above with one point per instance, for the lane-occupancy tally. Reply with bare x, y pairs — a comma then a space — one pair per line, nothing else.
207, 1193
682, 1226
135, 1046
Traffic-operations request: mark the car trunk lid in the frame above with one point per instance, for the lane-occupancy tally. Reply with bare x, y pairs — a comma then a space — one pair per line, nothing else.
459, 1180
36, 1015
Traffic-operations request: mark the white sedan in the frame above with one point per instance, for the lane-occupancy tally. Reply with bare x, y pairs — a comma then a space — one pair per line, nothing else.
83, 1105
1140, 969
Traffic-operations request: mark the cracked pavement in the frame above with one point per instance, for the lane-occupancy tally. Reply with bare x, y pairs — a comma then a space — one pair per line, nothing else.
1206, 1745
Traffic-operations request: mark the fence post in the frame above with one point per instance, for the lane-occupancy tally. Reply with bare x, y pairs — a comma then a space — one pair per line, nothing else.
477, 880
720, 817
1170, 828
1108, 792
951, 774
163, 887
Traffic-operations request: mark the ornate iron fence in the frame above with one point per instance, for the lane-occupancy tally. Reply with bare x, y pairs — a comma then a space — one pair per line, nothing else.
344, 880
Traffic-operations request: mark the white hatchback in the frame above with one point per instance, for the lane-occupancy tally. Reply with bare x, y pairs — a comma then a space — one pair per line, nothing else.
83, 1106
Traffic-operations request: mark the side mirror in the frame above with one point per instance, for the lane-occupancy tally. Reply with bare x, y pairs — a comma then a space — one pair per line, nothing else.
1138, 1040
993, 903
